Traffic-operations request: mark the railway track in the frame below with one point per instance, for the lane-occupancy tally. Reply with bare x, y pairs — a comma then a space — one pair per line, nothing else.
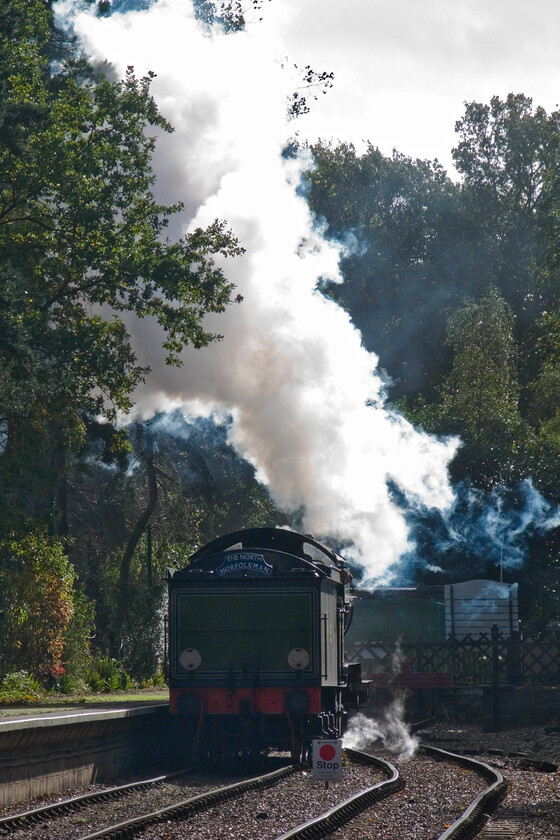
530, 810
506, 828
252, 806
186, 808
24, 819
474, 818
244, 795
255, 807
246, 798
344, 811
76, 812
444, 797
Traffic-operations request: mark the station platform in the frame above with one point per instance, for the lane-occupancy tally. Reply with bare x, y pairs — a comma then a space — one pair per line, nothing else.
58, 749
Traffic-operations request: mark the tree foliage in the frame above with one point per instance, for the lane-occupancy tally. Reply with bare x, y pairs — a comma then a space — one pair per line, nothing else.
508, 156
408, 254
480, 395
313, 83
37, 604
82, 242
229, 14
456, 287
203, 490
82, 239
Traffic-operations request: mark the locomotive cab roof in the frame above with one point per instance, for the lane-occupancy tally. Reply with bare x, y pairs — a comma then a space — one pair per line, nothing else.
290, 549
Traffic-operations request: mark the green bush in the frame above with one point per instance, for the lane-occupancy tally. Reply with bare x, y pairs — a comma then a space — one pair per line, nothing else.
20, 687
69, 683
157, 681
106, 674
76, 652
36, 605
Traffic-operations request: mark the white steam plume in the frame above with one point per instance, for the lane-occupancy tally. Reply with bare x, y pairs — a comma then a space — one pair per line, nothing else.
306, 403
391, 729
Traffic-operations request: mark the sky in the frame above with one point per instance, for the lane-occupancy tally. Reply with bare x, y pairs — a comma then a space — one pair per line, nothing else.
404, 68
304, 400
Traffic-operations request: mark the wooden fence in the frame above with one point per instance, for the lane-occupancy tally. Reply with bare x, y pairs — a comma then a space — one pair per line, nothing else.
485, 659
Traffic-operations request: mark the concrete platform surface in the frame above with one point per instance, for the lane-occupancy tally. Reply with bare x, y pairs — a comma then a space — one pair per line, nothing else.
79, 715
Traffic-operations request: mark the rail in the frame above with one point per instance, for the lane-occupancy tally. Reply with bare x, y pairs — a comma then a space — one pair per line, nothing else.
471, 821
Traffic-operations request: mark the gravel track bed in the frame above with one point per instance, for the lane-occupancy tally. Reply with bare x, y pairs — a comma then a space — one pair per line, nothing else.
265, 815
533, 800
541, 742
436, 794
51, 799
102, 814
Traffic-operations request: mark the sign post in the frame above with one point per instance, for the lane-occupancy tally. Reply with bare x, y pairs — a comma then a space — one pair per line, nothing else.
327, 760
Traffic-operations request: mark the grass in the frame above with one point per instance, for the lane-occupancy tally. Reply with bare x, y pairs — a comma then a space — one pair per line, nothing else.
65, 702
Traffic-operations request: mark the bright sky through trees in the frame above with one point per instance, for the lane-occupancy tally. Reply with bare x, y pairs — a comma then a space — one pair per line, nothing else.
404, 69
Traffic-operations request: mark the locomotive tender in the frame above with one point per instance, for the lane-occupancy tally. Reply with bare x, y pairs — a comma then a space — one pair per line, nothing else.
256, 644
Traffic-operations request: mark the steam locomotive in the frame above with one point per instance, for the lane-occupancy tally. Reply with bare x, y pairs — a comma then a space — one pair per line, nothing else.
256, 645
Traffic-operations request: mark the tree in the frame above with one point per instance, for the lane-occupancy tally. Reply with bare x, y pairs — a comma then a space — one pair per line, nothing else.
80, 229
37, 604
229, 14
480, 395
417, 244
182, 485
313, 82
408, 259
508, 156
542, 400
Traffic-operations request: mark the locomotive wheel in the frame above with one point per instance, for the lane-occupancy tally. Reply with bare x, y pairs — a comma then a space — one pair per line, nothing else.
306, 751
295, 750
300, 750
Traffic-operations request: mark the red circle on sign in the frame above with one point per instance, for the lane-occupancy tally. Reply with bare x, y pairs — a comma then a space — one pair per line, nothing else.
327, 752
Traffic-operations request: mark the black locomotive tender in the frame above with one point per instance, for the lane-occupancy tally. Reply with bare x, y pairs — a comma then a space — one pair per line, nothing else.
256, 645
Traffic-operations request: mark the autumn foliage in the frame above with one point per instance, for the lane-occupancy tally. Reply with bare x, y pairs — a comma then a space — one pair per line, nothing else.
37, 603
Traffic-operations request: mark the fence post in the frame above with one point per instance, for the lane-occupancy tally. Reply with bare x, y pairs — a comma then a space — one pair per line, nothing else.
419, 657
496, 718
514, 659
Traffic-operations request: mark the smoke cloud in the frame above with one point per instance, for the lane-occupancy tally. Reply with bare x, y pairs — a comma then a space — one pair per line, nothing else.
390, 729
497, 526
306, 402
480, 529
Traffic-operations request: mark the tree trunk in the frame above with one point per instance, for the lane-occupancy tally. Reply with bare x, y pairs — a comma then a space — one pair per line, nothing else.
141, 525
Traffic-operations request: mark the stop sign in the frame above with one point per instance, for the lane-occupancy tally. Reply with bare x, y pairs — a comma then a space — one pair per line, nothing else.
327, 752
327, 760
